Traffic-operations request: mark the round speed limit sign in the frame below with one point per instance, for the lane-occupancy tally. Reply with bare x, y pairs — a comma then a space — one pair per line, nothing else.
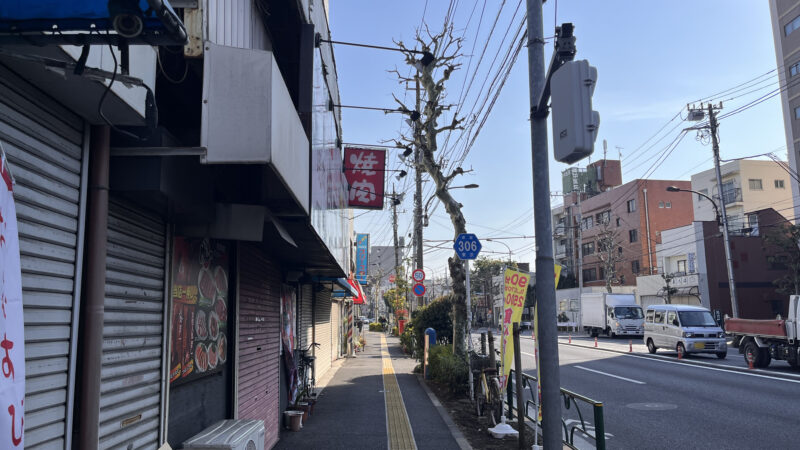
418, 275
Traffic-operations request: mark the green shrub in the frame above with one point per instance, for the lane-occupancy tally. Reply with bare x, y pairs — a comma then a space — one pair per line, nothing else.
448, 369
376, 326
436, 315
407, 339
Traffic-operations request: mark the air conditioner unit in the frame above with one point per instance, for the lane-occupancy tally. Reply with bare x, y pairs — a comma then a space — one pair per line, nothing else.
229, 435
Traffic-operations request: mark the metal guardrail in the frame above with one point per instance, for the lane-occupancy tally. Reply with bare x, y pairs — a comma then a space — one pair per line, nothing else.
571, 400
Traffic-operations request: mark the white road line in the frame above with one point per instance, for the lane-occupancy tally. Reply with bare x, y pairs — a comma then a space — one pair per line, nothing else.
610, 375
718, 370
529, 354
658, 359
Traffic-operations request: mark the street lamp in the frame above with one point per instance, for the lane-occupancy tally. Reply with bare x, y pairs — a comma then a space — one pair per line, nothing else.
501, 242
428, 203
726, 239
713, 203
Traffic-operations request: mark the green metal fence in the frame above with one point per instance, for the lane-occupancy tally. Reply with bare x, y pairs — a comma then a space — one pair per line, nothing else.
572, 402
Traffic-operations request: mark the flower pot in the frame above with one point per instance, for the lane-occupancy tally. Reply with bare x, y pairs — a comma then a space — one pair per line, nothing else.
303, 406
294, 420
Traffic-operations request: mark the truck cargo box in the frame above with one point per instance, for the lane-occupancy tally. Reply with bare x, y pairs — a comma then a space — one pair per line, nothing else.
771, 328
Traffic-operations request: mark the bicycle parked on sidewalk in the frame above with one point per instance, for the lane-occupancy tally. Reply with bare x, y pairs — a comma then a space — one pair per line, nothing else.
305, 369
486, 383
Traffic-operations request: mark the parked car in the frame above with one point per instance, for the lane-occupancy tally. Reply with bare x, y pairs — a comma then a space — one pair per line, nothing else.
684, 328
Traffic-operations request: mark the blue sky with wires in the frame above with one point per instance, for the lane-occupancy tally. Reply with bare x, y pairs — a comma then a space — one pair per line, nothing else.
652, 58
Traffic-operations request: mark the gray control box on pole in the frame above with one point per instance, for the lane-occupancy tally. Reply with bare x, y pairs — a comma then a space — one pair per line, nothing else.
575, 124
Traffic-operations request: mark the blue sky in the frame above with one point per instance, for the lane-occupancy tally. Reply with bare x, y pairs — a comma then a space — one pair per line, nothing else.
652, 57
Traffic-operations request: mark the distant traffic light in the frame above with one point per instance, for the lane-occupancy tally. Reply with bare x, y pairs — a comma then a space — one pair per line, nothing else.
575, 124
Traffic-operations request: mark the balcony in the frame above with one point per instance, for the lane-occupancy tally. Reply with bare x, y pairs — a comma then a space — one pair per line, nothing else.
730, 196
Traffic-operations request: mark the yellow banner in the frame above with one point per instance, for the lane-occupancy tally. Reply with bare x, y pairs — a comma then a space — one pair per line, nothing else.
514, 290
536, 347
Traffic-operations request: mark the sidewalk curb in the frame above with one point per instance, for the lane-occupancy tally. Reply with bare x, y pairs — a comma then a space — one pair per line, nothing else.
462, 442
784, 376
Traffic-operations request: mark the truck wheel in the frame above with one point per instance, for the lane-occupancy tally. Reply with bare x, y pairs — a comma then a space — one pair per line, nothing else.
753, 353
651, 347
611, 333
764, 358
722, 355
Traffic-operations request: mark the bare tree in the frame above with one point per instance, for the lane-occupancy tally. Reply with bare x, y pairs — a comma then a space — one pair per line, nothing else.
607, 244
434, 60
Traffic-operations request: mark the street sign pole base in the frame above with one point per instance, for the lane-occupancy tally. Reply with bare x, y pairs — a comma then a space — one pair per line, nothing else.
503, 429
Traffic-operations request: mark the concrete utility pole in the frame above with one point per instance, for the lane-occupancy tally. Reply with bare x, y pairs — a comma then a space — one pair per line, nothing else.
712, 126
545, 270
396, 245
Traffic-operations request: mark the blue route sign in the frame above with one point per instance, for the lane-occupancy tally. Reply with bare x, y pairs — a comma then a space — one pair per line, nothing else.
418, 289
467, 246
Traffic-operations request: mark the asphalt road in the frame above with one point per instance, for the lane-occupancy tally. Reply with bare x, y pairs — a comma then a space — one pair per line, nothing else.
664, 403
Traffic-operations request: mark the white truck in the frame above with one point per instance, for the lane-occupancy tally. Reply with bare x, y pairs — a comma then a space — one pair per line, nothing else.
763, 340
611, 314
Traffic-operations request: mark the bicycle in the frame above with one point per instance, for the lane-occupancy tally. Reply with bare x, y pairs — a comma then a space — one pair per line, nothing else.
486, 384
305, 369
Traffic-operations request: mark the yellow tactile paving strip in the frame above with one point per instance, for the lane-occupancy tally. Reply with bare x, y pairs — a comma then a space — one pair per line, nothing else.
398, 426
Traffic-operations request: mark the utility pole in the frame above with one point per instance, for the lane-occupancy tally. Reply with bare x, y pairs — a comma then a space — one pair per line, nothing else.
696, 113
396, 245
545, 269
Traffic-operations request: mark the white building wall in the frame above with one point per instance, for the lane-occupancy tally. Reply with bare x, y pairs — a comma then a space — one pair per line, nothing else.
740, 172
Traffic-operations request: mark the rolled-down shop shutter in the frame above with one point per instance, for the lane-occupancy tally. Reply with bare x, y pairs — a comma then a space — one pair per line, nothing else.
259, 340
306, 331
44, 144
131, 374
322, 323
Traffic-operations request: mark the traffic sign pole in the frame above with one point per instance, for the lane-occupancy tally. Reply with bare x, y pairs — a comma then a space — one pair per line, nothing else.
469, 330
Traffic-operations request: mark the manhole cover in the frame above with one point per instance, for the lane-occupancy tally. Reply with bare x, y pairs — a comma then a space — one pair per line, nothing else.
652, 406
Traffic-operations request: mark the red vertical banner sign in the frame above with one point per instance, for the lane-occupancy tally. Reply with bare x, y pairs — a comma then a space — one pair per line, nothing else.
12, 328
365, 171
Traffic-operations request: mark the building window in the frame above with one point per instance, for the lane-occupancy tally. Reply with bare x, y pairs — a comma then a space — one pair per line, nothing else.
635, 266
602, 273
660, 204
682, 266
779, 184
617, 221
755, 184
797, 113
779, 262
700, 197
669, 204
589, 274
791, 26
633, 235
588, 248
619, 250
632, 205
603, 217
587, 223
795, 69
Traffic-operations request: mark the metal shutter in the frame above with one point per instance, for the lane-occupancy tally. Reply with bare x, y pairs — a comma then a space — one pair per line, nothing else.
131, 374
259, 340
305, 333
44, 143
322, 322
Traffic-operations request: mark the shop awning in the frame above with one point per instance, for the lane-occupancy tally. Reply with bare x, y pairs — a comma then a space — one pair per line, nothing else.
347, 289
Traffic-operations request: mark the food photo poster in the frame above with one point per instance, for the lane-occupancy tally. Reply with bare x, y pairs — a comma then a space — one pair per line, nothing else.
199, 326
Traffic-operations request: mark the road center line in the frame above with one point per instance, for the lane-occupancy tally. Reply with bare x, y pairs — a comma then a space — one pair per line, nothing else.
610, 375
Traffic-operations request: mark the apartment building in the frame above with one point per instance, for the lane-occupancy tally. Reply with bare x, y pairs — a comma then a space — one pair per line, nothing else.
786, 33
747, 186
635, 214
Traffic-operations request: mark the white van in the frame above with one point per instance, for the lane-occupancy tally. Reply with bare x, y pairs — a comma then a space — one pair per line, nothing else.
686, 329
